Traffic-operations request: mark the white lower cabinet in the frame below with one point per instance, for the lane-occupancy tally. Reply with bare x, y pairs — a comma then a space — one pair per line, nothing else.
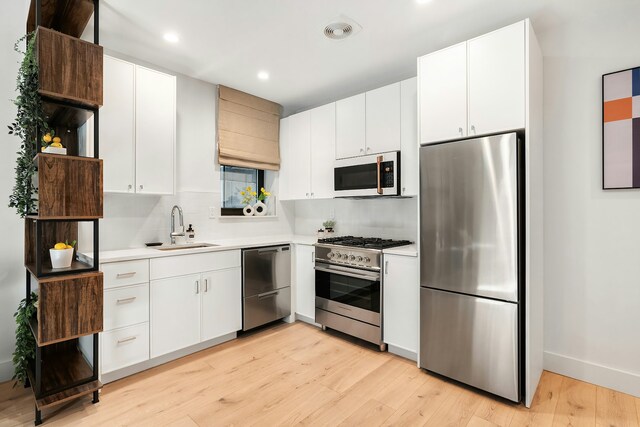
199, 306
305, 282
221, 303
128, 305
124, 347
401, 300
175, 314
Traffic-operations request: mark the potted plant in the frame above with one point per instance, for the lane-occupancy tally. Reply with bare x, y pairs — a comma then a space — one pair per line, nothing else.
62, 254
260, 208
329, 225
29, 123
248, 196
25, 352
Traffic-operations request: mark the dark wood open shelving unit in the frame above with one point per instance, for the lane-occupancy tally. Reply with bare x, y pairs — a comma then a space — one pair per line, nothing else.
70, 191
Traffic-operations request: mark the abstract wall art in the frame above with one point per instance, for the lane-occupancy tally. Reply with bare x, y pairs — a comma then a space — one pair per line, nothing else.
621, 129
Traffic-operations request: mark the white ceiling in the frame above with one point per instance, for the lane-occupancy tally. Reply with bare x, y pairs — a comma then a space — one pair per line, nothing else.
229, 41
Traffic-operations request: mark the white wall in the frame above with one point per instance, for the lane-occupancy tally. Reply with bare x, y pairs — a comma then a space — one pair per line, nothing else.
12, 273
388, 218
592, 237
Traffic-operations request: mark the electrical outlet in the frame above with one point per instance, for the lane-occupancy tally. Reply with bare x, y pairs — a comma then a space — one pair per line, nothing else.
212, 212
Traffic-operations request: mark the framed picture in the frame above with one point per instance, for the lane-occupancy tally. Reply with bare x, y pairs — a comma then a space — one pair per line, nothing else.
621, 129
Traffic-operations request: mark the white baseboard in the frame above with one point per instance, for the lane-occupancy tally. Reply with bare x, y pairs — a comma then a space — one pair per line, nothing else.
625, 382
306, 319
402, 352
6, 370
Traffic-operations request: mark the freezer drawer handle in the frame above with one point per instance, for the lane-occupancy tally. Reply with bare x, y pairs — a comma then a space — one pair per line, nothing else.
125, 300
268, 294
268, 251
123, 340
125, 275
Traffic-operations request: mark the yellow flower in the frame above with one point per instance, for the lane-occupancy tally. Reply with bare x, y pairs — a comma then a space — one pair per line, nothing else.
253, 193
242, 193
262, 190
47, 138
249, 188
266, 193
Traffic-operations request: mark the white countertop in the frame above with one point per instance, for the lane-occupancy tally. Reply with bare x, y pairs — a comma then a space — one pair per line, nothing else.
407, 250
221, 245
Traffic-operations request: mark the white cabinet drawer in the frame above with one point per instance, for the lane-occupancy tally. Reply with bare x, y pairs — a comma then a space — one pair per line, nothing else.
125, 273
125, 347
183, 265
126, 306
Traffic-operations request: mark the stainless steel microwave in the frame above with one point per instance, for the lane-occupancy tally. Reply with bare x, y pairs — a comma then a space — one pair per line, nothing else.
368, 176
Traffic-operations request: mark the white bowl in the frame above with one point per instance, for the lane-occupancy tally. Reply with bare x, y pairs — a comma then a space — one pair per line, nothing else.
61, 258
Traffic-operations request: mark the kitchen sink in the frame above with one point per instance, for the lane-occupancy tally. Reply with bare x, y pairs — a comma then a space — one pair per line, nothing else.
184, 246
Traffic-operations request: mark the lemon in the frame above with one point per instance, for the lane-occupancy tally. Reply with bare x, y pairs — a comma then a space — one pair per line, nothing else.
56, 144
56, 140
60, 246
47, 138
69, 247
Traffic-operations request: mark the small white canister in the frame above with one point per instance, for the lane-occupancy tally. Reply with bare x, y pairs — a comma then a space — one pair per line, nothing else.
61, 258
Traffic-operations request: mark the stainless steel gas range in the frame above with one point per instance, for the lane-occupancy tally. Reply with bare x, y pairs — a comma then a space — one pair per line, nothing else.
349, 285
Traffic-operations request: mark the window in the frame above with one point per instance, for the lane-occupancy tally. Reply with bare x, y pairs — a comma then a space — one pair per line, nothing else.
233, 180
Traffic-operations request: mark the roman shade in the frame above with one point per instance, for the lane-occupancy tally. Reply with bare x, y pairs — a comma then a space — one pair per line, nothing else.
248, 130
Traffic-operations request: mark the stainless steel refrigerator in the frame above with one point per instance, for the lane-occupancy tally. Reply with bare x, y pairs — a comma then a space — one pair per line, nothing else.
470, 262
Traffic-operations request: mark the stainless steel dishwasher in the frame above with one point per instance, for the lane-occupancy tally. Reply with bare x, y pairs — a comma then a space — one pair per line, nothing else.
266, 285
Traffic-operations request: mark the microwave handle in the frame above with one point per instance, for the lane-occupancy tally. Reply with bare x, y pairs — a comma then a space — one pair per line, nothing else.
379, 161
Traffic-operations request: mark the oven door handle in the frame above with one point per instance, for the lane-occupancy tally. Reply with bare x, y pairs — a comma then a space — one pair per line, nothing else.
349, 273
379, 162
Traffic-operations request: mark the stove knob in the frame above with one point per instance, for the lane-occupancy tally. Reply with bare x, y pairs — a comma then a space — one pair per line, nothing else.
366, 259
338, 255
359, 259
330, 255
352, 258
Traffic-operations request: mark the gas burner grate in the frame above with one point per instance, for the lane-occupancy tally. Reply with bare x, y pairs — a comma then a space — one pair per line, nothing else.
364, 242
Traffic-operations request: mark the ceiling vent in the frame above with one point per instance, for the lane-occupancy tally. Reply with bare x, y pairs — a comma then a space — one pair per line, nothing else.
341, 28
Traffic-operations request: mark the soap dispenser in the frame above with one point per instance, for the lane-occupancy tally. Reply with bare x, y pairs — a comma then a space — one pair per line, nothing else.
191, 234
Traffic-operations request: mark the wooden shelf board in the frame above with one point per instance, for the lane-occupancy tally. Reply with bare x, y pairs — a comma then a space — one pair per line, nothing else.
37, 217
67, 366
77, 266
67, 16
67, 157
77, 102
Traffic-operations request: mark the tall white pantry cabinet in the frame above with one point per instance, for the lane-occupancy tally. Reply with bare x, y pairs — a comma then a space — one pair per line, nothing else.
493, 84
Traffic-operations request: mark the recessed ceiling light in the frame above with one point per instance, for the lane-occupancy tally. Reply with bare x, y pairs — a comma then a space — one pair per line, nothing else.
263, 75
171, 37
423, 1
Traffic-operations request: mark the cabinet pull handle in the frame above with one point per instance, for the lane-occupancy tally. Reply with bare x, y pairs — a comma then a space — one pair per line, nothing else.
307, 194
311, 194
268, 294
130, 186
125, 275
368, 149
197, 286
206, 285
123, 340
313, 256
141, 186
362, 151
125, 300
473, 129
460, 130
386, 267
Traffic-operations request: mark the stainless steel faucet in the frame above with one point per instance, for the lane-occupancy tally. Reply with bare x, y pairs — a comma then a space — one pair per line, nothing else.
173, 233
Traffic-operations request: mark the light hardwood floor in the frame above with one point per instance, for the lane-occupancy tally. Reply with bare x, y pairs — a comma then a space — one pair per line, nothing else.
297, 374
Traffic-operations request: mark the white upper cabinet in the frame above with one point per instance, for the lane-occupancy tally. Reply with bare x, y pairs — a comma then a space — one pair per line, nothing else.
155, 131
497, 80
443, 94
137, 129
409, 178
117, 133
298, 146
474, 88
307, 142
383, 119
350, 126
323, 149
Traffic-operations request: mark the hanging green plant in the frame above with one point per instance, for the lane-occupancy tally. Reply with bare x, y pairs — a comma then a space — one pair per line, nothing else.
25, 352
29, 124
